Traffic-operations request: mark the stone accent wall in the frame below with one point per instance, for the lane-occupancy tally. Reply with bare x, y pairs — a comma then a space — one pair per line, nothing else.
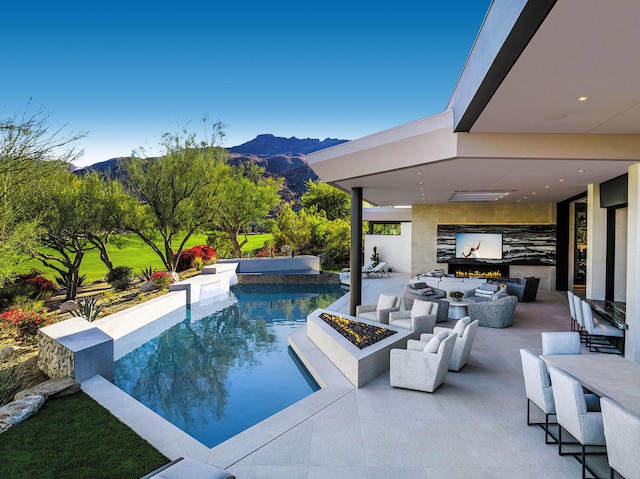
325, 278
54, 359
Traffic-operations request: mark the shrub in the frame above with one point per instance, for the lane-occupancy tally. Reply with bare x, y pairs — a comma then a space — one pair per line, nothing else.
161, 279
26, 287
25, 323
63, 283
206, 254
120, 278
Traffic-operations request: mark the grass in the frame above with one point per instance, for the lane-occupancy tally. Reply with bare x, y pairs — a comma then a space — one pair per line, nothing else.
135, 254
75, 438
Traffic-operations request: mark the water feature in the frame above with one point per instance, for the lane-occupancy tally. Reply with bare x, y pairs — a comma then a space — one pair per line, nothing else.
218, 375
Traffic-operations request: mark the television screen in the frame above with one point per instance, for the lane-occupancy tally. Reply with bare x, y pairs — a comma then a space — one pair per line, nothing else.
479, 245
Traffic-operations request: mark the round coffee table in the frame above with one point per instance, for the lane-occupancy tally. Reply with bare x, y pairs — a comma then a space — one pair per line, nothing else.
458, 309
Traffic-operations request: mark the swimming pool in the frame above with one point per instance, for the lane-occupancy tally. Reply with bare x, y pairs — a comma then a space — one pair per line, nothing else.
219, 375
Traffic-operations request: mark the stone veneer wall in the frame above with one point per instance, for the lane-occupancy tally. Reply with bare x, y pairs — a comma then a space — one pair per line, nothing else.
54, 359
425, 220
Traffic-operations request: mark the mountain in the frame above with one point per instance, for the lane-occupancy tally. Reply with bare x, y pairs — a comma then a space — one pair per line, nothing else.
280, 157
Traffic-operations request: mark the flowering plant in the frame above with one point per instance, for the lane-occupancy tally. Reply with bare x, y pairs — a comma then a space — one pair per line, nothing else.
38, 282
26, 323
161, 279
203, 253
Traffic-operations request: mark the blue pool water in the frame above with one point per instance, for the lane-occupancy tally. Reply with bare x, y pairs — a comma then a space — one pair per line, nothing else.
221, 374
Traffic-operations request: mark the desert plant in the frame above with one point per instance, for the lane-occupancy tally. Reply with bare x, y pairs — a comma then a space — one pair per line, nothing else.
88, 309
147, 273
161, 279
25, 323
120, 278
375, 256
456, 295
64, 283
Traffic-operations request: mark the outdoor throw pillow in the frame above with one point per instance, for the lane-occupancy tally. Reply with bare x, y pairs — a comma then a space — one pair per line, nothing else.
386, 301
418, 285
489, 287
483, 293
499, 294
421, 308
460, 325
434, 343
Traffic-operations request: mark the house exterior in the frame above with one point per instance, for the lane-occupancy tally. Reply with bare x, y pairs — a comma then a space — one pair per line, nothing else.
542, 130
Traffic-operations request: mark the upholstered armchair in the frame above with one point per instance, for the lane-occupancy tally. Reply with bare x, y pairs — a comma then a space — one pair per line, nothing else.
494, 314
420, 319
466, 332
525, 291
380, 311
426, 293
424, 369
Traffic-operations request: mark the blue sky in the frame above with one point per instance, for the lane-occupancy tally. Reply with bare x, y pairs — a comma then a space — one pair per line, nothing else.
126, 71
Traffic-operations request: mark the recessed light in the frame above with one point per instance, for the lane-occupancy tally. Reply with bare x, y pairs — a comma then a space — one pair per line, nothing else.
546, 186
561, 181
581, 170
419, 172
526, 197
420, 182
583, 98
533, 193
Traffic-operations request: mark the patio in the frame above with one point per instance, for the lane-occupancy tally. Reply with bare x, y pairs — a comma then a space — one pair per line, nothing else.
472, 426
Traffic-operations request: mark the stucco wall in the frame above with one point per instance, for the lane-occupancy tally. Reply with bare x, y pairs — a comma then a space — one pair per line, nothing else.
395, 250
425, 220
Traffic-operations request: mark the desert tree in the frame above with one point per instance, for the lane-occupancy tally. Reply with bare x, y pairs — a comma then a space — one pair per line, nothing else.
247, 196
31, 150
177, 191
334, 202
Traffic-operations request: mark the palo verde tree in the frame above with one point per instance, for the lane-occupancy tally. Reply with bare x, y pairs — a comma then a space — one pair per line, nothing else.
178, 191
30, 150
65, 205
247, 195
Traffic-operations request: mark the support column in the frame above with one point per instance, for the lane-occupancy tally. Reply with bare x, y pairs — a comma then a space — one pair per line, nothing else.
596, 244
356, 250
632, 342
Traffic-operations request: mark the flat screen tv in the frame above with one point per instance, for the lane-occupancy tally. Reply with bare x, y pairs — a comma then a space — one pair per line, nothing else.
479, 245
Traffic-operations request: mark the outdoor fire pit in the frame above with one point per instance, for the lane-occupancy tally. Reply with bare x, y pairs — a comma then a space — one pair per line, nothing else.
357, 347
358, 333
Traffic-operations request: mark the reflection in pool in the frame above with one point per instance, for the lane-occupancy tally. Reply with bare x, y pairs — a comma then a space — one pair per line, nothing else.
221, 374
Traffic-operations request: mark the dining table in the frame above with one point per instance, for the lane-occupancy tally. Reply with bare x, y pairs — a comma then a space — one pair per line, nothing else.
606, 375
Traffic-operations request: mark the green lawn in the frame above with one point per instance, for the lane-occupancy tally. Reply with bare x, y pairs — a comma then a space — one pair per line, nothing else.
75, 438
134, 254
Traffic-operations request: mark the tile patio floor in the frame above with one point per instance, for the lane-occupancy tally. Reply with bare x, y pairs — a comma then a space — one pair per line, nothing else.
473, 426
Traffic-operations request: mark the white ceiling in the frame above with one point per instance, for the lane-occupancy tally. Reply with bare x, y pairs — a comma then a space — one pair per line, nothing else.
584, 48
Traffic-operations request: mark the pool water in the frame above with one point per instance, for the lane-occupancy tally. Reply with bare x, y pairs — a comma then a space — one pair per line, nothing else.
219, 375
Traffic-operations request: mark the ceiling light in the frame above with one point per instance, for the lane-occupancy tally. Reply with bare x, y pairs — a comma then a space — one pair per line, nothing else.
478, 195
526, 197
546, 186
581, 171
420, 182
561, 180
533, 193
583, 98
419, 172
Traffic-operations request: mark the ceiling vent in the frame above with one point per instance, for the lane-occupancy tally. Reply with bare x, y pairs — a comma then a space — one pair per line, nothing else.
478, 196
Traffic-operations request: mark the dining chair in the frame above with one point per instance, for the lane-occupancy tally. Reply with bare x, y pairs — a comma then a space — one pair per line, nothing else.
622, 433
561, 342
578, 416
598, 333
577, 304
537, 385
572, 311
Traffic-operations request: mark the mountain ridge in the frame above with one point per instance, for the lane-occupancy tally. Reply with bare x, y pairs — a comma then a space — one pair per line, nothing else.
279, 156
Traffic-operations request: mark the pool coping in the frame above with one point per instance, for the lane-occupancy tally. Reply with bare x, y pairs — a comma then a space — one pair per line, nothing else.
173, 442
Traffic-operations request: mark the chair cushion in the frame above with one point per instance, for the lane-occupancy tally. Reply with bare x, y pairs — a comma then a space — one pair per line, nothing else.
489, 287
386, 301
421, 308
401, 323
434, 343
460, 325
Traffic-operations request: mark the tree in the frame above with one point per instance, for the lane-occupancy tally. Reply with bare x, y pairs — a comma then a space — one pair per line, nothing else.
30, 150
178, 191
335, 203
112, 209
66, 205
292, 229
247, 195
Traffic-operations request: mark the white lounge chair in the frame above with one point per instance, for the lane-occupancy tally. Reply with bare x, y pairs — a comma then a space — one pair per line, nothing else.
380, 268
380, 311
